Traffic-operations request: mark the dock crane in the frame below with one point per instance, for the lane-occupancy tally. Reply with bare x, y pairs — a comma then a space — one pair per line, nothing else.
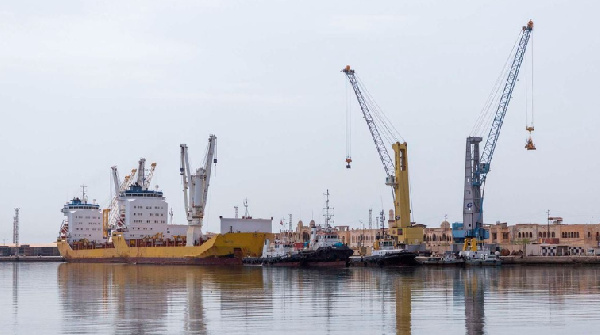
195, 188
477, 166
396, 170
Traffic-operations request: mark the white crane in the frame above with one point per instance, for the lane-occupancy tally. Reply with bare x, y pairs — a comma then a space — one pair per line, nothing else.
195, 188
141, 172
149, 176
115, 210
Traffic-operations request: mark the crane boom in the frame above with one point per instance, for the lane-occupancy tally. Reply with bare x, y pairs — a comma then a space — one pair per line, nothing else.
183, 170
115, 214
141, 172
116, 179
511, 80
478, 166
206, 172
386, 159
149, 176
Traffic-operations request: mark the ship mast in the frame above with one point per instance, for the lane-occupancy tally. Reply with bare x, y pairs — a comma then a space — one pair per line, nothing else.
328, 216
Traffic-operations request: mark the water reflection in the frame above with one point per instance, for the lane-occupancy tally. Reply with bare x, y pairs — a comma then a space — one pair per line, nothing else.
134, 299
15, 288
474, 289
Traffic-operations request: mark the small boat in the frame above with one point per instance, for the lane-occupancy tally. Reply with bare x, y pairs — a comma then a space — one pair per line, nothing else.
447, 259
480, 258
387, 253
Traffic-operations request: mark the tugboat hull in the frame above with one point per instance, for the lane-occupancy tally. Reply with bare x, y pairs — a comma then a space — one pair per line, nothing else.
404, 258
322, 257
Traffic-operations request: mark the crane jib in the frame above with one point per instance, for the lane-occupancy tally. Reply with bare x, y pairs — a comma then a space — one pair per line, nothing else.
492, 139
386, 159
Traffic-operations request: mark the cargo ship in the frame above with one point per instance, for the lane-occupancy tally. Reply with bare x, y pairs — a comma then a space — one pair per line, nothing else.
135, 229
84, 239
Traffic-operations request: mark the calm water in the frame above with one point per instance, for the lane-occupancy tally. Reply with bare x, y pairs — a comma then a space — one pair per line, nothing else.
51, 298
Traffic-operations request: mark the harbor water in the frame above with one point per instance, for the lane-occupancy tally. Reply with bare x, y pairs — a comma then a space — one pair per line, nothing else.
61, 298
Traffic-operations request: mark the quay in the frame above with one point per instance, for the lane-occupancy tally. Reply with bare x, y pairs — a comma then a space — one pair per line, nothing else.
31, 259
549, 260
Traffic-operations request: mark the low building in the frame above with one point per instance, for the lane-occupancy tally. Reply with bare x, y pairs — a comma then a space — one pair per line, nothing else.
37, 249
246, 225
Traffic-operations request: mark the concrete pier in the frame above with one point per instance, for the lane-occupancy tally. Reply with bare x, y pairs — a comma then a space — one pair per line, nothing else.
550, 260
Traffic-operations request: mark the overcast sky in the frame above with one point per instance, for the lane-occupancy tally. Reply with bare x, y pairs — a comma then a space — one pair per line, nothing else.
85, 85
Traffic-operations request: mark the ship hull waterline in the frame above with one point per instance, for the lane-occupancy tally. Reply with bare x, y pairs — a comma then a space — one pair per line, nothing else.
225, 249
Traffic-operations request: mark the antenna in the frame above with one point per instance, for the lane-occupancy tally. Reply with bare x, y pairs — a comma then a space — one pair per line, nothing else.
247, 214
328, 216
16, 232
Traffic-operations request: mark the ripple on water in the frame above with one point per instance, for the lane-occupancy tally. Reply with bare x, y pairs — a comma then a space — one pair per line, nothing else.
129, 299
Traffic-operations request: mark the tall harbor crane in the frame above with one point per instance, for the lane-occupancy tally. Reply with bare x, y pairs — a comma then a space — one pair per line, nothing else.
396, 170
477, 166
195, 187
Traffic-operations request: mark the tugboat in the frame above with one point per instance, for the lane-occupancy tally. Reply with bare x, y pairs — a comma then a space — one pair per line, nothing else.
447, 259
480, 257
388, 253
324, 249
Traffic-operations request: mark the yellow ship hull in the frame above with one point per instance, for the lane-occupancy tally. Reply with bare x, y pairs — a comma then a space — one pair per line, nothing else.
226, 249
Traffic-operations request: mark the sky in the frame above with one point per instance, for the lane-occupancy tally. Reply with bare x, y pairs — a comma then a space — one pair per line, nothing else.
88, 85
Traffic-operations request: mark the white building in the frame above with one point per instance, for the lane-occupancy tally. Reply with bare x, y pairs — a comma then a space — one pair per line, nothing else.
245, 225
84, 221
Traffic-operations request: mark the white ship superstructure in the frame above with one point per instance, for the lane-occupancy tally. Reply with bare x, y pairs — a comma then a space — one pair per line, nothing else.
146, 213
84, 221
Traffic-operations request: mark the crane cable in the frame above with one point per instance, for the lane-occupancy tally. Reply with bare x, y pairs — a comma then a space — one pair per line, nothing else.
384, 124
348, 126
388, 132
487, 113
528, 104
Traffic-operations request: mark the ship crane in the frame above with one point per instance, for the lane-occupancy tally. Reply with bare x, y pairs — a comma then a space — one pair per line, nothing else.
114, 218
396, 170
477, 166
149, 176
195, 187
